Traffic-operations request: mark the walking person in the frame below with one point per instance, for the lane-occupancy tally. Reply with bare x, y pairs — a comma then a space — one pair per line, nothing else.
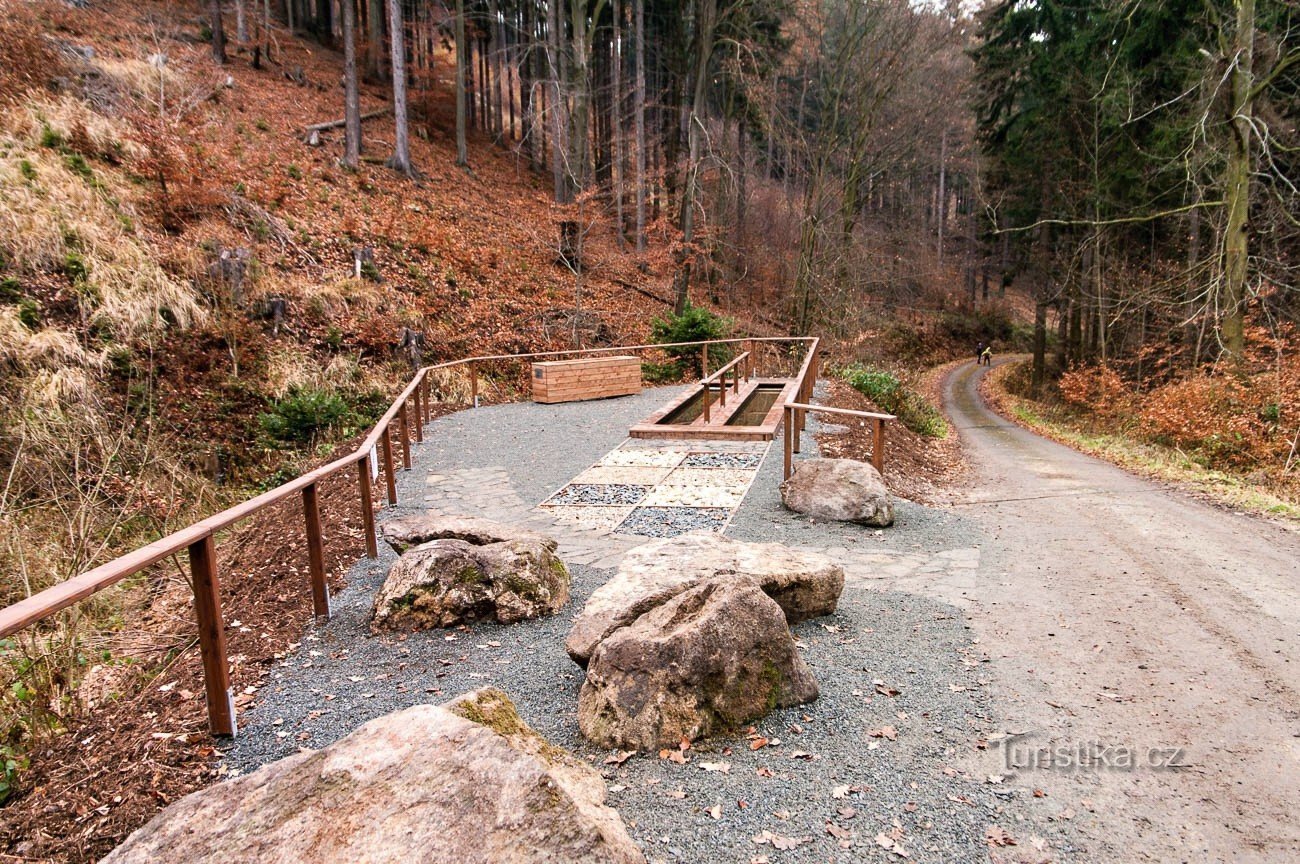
979, 352
986, 356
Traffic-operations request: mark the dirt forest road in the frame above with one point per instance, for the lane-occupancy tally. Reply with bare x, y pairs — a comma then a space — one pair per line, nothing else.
1122, 615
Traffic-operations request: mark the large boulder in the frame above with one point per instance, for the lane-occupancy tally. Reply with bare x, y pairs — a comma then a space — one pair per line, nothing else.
715, 657
804, 584
463, 783
407, 532
466, 569
841, 489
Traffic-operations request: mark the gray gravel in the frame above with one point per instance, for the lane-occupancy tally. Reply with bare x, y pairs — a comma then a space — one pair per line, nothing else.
671, 521
922, 786
601, 493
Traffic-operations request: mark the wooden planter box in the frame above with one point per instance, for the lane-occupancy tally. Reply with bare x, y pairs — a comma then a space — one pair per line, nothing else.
592, 378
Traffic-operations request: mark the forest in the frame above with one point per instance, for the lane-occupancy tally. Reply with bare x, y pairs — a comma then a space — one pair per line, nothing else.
231, 229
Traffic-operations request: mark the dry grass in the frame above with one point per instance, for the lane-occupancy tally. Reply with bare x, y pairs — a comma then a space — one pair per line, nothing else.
58, 212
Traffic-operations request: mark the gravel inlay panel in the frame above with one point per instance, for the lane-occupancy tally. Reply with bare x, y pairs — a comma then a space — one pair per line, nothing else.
659, 458
734, 477
595, 517
637, 475
722, 460
671, 521
600, 493
695, 496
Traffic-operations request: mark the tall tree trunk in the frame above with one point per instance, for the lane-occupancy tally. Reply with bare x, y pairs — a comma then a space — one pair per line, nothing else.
325, 22
556, 101
351, 95
218, 34
617, 121
1039, 370
705, 18
1190, 287
941, 209
401, 158
375, 40
462, 70
639, 110
241, 22
1236, 242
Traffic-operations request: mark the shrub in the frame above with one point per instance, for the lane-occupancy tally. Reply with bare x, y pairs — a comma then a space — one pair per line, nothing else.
303, 414
29, 313
662, 373
695, 324
1098, 389
891, 395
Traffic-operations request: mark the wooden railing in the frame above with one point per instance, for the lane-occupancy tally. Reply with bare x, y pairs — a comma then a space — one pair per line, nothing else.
735, 367
797, 410
406, 415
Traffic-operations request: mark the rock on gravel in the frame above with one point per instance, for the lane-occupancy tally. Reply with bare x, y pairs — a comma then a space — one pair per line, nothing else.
804, 584
446, 582
714, 657
460, 783
841, 489
417, 529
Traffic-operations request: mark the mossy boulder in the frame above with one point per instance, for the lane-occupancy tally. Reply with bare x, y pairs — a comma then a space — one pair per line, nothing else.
467, 782
715, 657
480, 572
804, 584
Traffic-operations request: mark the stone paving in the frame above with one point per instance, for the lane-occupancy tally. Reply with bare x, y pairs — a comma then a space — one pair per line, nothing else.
654, 488
667, 483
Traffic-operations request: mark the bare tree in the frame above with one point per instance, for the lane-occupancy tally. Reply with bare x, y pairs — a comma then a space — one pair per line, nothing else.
351, 96
639, 109
462, 152
218, 34
401, 158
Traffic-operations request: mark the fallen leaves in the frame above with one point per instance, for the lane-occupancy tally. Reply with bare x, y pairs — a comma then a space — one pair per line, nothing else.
716, 767
883, 732
618, 757
780, 842
885, 689
997, 836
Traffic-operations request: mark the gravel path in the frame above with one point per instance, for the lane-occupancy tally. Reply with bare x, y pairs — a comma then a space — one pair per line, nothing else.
886, 756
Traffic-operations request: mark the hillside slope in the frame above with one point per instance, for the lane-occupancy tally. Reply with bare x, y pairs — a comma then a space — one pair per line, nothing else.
176, 267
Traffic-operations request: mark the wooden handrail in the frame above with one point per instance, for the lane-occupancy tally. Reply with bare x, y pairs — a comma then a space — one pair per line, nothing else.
724, 369
877, 430
199, 541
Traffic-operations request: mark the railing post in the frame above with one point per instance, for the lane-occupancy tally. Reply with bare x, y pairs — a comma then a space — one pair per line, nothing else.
704, 361
390, 476
878, 444
405, 428
419, 413
789, 458
473, 385
320, 589
212, 637
367, 506
708, 397
735, 377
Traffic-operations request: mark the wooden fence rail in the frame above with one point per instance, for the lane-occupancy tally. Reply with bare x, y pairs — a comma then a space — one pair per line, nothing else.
410, 409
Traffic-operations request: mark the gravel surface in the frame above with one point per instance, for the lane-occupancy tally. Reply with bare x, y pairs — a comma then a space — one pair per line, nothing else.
897, 665
671, 521
603, 493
